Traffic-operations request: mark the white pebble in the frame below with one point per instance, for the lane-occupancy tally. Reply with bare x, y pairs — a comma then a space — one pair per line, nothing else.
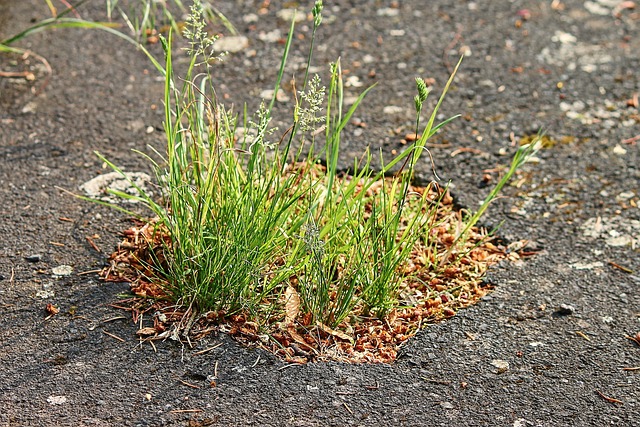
388, 11
562, 37
231, 44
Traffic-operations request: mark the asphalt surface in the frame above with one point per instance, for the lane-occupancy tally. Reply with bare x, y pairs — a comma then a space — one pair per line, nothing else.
550, 346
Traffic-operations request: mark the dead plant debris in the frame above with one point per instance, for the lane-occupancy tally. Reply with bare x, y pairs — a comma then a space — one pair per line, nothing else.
635, 338
428, 293
51, 309
609, 399
114, 336
620, 267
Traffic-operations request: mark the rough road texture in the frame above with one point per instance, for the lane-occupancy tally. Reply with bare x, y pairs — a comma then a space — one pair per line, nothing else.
569, 68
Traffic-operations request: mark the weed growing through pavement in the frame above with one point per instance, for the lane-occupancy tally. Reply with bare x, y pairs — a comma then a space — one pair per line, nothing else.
278, 245
281, 246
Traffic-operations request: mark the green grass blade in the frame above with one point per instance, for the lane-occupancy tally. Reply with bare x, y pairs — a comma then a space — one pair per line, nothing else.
421, 143
80, 23
283, 62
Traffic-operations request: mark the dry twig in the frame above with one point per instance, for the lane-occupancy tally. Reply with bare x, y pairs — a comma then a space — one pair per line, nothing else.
113, 336
188, 384
609, 399
620, 267
207, 350
93, 244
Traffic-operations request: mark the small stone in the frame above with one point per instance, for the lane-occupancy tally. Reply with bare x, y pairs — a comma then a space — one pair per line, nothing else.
98, 187
563, 37
487, 83
62, 270
586, 265
618, 241
250, 18
619, 150
45, 294
270, 37
392, 109
290, 14
30, 107
368, 59
623, 197
56, 400
231, 44
596, 8
501, 365
387, 11
446, 405
268, 94
34, 258
565, 310
353, 81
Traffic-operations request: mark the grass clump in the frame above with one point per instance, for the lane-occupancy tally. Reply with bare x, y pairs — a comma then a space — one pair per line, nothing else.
261, 230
